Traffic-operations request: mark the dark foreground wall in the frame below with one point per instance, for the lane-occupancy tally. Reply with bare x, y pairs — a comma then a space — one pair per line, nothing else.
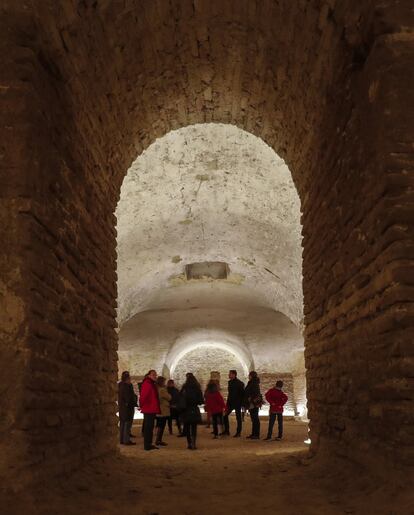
86, 86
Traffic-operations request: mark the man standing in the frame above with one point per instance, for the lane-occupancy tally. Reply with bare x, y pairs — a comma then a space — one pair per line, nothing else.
126, 407
150, 406
277, 399
234, 402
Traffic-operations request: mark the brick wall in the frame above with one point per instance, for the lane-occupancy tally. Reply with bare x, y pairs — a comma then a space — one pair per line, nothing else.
89, 85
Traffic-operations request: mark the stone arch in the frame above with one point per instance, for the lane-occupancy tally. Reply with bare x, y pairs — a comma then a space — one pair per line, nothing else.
88, 87
212, 338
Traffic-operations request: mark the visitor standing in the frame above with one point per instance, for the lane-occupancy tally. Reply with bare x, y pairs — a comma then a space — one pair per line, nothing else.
150, 406
126, 407
253, 402
191, 398
164, 413
277, 398
215, 405
134, 398
234, 403
174, 413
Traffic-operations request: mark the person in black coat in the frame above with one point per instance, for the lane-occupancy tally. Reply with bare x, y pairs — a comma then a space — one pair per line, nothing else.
191, 397
253, 401
126, 408
175, 414
134, 401
235, 399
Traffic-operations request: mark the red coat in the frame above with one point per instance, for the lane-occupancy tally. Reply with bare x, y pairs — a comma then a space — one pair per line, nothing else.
277, 399
148, 399
214, 402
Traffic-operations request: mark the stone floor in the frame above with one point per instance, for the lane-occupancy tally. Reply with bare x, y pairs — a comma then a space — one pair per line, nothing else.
223, 476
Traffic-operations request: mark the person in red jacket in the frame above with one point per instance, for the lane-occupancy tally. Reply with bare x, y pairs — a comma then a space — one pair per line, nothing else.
214, 404
149, 404
277, 399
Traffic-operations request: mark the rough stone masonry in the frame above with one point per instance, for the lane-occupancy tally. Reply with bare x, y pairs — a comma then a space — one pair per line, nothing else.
85, 87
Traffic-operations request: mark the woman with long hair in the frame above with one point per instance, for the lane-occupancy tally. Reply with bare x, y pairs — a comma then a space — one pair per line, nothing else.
208, 414
192, 397
214, 405
253, 401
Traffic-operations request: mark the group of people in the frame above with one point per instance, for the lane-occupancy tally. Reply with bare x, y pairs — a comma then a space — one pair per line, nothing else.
161, 403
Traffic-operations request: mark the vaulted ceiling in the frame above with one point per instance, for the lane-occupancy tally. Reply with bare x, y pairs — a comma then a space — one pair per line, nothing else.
208, 193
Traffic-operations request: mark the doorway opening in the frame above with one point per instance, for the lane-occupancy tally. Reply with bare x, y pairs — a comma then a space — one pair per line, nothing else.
209, 262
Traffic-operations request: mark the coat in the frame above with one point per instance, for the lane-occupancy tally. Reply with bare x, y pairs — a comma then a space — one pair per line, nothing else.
214, 403
191, 398
126, 401
149, 402
277, 399
175, 395
252, 395
235, 394
164, 398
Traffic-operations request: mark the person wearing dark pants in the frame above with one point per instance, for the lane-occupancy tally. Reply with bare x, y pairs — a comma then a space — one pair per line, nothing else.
174, 413
134, 398
174, 416
192, 397
164, 414
217, 420
276, 399
214, 404
272, 419
190, 431
150, 406
149, 421
254, 417
253, 402
126, 408
234, 403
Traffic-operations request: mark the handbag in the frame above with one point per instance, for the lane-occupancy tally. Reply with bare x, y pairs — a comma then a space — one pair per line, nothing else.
258, 401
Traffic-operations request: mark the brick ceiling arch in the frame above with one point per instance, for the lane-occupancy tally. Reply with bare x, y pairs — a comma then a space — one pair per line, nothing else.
160, 66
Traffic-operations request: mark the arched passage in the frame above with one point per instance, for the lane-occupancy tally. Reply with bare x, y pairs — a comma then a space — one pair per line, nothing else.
216, 339
208, 356
209, 260
88, 87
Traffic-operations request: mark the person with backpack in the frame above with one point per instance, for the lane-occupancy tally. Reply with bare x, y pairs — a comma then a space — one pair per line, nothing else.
234, 402
174, 413
277, 399
126, 408
215, 405
253, 401
191, 397
150, 406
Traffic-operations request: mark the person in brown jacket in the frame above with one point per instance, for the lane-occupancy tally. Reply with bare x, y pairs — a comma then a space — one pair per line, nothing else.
165, 411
